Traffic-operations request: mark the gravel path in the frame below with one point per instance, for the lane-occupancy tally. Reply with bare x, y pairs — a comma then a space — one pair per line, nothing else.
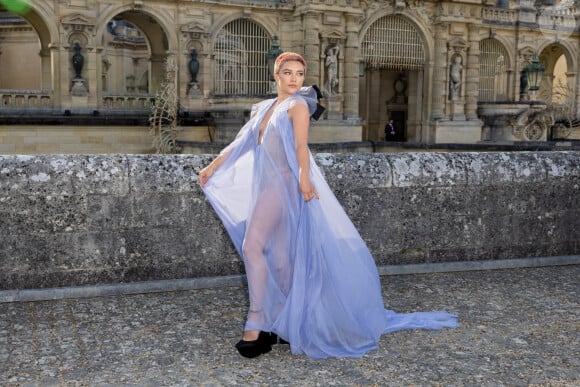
519, 327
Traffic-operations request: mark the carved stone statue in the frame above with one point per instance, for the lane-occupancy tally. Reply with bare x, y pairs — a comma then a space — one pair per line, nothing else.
331, 64
78, 61
455, 74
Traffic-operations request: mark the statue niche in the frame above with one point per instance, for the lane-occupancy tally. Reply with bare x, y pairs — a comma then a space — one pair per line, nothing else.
79, 86
78, 61
331, 65
455, 78
193, 67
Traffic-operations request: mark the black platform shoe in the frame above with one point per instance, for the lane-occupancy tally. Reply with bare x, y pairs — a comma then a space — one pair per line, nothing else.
277, 339
257, 347
282, 341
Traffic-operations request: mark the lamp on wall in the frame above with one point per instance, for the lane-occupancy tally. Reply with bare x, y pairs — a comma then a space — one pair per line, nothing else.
271, 56
534, 71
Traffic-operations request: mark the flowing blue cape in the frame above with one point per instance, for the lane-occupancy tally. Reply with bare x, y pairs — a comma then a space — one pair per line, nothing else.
314, 282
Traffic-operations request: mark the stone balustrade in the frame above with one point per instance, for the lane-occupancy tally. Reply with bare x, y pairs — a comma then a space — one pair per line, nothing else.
128, 102
35, 99
491, 14
25, 99
105, 219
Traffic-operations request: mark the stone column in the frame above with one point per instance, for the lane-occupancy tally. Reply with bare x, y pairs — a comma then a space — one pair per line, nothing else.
311, 26
472, 73
439, 73
351, 65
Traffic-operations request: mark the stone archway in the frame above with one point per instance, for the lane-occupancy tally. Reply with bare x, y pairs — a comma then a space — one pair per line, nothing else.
558, 89
558, 80
394, 55
134, 54
24, 51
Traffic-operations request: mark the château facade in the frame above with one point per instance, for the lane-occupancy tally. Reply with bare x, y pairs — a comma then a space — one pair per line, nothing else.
443, 71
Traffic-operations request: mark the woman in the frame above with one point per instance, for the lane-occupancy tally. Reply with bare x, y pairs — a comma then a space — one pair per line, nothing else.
311, 279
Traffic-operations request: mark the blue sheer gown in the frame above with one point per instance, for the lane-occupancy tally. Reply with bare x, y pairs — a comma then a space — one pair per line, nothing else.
311, 277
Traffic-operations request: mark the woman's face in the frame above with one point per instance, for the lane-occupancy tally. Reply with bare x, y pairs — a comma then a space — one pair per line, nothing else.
290, 77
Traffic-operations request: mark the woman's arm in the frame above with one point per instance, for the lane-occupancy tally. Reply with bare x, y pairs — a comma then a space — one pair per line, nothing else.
206, 173
241, 140
300, 117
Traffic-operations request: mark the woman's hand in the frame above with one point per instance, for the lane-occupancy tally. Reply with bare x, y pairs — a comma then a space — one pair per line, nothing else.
205, 174
307, 189
208, 171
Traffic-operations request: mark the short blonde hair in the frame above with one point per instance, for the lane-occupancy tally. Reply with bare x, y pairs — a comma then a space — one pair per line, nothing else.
287, 57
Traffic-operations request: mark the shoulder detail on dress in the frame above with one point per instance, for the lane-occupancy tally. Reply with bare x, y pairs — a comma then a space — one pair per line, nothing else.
259, 105
306, 96
297, 100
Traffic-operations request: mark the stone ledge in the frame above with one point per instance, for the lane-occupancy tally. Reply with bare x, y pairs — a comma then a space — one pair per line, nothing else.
82, 220
28, 295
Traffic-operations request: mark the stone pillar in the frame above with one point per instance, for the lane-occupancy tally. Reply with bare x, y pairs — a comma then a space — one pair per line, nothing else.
439, 73
472, 73
93, 65
157, 73
56, 75
311, 26
576, 97
45, 77
351, 64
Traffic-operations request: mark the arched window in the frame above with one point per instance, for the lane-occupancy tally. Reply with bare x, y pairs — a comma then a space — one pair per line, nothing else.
493, 76
126, 59
561, 91
393, 42
240, 59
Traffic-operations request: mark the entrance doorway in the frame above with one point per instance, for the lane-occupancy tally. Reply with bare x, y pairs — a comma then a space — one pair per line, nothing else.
391, 84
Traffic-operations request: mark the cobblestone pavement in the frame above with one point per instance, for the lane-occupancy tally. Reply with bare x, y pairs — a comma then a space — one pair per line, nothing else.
519, 327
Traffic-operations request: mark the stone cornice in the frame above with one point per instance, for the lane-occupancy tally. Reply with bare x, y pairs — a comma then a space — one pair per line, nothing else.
78, 22
259, 4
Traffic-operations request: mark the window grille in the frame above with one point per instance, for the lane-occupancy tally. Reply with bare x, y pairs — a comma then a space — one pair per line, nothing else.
493, 76
392, 42
240, 59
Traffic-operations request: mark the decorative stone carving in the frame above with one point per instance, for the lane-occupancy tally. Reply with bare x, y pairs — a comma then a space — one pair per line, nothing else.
78, 23
399, 90
535, 130
195, 31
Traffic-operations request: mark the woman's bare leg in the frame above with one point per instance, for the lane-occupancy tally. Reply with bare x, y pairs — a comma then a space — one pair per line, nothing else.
264, 219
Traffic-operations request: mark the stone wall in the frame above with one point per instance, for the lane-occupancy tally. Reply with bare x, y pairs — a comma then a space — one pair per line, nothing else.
102, 219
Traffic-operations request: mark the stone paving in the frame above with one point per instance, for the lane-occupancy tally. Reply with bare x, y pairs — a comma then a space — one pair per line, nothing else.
519, 327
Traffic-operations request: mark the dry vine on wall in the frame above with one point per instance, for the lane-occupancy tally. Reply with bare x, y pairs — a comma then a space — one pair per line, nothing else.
163, 120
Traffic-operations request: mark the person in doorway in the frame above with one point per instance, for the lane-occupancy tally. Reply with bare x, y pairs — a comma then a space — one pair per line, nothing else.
390, 131
312, 281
